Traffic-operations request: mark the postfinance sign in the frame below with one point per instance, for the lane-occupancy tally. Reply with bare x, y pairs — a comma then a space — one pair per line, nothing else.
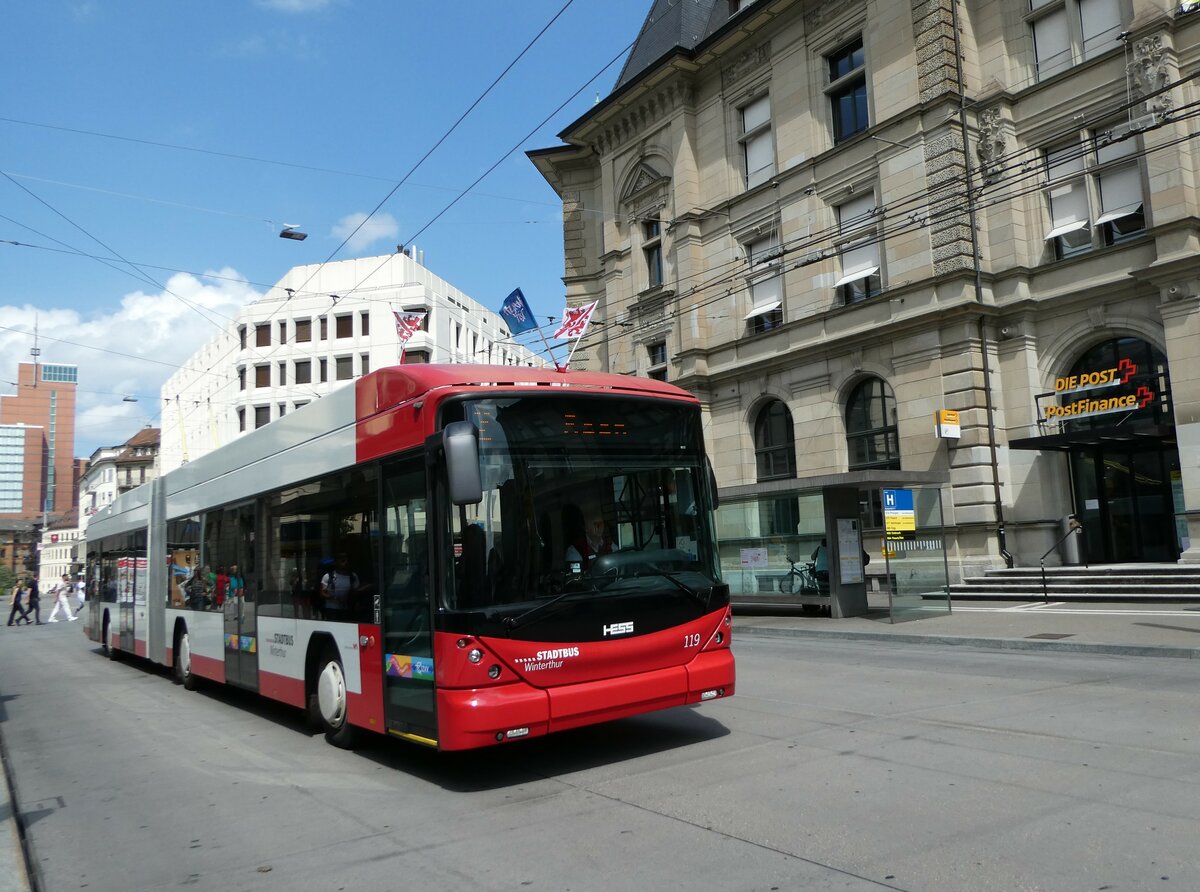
1086, 382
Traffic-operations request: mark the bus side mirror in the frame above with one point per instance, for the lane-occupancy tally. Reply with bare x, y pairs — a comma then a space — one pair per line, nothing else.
712, 483
460, 441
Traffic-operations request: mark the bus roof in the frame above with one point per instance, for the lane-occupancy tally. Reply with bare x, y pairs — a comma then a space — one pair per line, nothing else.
392, 385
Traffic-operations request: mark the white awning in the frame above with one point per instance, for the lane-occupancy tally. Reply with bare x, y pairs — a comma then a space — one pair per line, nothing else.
855, 276
764, 308
1127, 211
1066, 228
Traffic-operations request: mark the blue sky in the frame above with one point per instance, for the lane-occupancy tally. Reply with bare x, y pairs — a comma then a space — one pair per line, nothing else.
337, 99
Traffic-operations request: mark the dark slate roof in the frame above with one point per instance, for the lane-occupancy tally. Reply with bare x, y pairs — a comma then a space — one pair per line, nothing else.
672, 25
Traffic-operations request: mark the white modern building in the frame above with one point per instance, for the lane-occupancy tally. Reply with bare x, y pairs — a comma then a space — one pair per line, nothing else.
318, 327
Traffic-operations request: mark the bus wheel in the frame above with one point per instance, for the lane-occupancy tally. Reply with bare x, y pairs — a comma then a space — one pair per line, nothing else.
183, 663
332, 702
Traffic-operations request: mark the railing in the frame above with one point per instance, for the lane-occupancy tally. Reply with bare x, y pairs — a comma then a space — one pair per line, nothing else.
1075, 527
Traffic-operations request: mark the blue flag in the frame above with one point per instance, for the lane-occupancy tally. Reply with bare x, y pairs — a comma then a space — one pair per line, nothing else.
517, 315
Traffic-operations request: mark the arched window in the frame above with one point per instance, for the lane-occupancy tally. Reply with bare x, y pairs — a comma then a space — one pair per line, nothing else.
775, 442
871, 437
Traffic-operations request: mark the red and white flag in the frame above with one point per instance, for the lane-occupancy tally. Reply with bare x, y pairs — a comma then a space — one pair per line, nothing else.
407, 324
575, 321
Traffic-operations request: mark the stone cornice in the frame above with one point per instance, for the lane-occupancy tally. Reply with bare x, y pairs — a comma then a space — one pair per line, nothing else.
648, 112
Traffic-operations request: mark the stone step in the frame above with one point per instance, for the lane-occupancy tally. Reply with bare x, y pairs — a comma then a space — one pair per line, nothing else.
1111, 583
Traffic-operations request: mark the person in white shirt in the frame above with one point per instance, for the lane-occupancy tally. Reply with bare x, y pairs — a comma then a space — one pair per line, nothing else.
62, 593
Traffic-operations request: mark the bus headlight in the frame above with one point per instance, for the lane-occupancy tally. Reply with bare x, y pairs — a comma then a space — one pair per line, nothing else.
474, 655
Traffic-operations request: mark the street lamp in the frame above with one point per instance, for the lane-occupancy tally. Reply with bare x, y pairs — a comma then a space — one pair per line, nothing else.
290, 231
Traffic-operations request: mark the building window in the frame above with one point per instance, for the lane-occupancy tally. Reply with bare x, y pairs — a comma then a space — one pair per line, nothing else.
281, 410
282, 374
304, 371
343, 368
283, 331
858, 250
872, 438
300, 404
324, 328
656, 360
414, 357
262, 334
1119, 191
766, 285
343, 326
324, 365
242, 378
847, 90
303, 331
262, 376
1101, 176
262, 416
242, 336
241, 413
365, 364
758, 150
364, 324
775, 442
652, 250
1070, 31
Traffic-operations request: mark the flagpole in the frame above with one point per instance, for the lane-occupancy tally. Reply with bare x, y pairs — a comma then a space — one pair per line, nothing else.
550, 350
572, 353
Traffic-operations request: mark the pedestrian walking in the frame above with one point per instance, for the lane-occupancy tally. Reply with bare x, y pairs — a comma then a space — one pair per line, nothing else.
62, 595
18, 605
80, 594
32, 600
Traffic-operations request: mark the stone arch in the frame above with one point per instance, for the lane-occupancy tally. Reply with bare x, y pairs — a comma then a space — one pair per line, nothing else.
1067, 346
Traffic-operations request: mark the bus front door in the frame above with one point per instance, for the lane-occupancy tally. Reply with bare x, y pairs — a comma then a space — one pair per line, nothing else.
241, 642
407, 636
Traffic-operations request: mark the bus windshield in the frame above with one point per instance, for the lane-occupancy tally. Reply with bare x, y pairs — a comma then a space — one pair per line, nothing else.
584, 499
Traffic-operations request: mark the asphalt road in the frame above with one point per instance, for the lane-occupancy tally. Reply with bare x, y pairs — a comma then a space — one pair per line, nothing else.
839, 765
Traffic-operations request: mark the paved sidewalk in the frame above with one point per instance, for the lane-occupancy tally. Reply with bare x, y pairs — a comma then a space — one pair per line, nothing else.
1148, 630
13, 877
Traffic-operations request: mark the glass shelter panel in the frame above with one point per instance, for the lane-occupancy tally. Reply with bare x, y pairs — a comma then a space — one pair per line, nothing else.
914, 549
770, 550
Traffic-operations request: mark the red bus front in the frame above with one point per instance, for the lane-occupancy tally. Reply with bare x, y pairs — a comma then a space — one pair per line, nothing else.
579, 583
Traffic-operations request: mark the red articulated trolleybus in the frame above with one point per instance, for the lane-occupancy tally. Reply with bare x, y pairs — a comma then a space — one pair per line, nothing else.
455, 555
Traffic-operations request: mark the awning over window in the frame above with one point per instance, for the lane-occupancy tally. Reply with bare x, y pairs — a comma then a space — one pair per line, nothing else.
1066, 228
855, 276
1127, 211
764, 308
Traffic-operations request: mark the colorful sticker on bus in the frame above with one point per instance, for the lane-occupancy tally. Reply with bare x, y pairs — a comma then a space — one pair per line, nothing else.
249, 644
401, 666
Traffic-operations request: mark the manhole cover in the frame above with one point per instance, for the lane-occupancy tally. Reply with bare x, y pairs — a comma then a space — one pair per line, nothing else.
1050, 635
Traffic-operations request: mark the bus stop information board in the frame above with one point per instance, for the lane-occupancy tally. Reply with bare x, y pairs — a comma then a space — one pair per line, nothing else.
898, 514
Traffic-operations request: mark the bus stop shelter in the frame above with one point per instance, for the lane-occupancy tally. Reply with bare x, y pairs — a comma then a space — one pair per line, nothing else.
881, 531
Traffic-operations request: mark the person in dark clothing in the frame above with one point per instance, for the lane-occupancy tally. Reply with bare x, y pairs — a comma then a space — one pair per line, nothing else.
31, 602
18, 606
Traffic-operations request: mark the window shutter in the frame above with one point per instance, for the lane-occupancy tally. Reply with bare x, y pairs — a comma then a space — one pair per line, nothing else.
1052, 44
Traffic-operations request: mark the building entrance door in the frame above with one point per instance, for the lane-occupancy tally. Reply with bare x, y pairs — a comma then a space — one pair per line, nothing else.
1125, 499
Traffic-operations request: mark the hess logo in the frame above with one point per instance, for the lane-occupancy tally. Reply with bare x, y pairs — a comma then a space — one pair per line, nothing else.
618, 629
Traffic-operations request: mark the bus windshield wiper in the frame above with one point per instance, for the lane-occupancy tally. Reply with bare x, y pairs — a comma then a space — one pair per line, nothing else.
694, 594
515, 622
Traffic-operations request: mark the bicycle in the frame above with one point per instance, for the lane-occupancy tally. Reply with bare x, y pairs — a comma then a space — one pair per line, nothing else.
802, 581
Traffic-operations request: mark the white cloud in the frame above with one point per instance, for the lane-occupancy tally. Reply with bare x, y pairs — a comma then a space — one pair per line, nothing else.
128, 352
378, 228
